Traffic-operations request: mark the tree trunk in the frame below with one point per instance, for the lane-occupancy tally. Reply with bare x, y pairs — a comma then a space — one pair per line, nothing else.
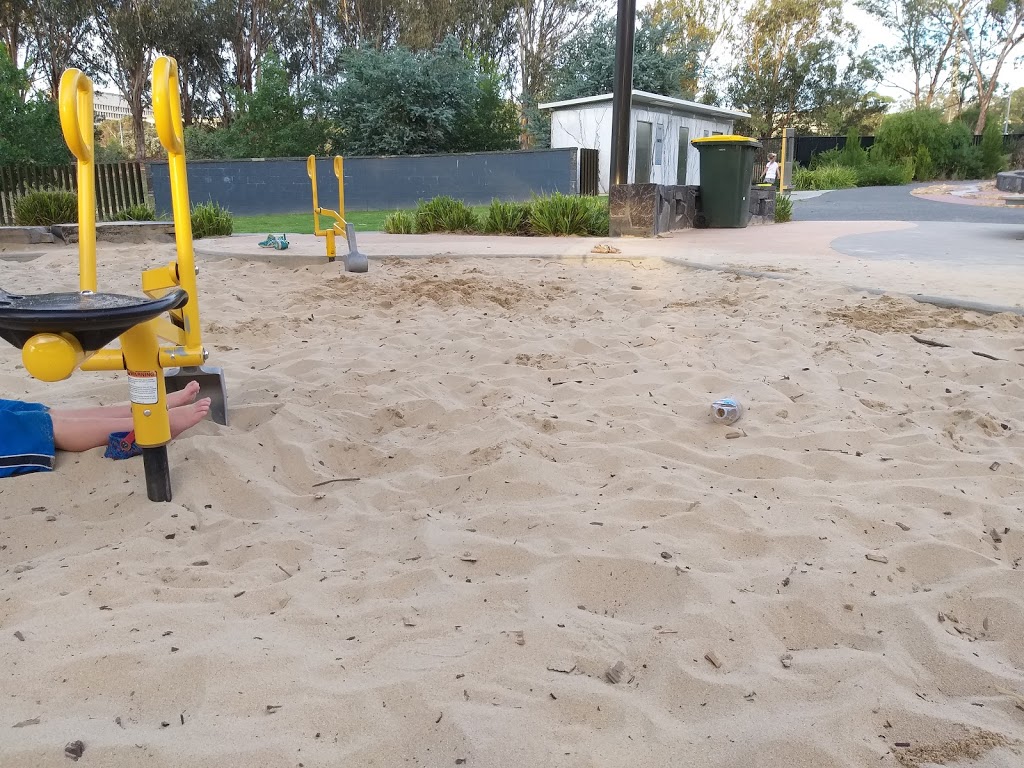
138, 128
137, 87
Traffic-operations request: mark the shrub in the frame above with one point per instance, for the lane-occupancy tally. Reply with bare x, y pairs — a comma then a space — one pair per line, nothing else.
560, 214
45, 207
399, 223
783, 209
1017, 155
853, 155
507, 218
825, 177
937, 149
211, 220
993, 160
600, 217
828, 157
878, 173
207, 143
445, 214
137, 212
924, 166
900, 135
962, 159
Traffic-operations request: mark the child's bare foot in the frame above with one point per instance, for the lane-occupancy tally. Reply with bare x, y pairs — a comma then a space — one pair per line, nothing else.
183, 396
187, 416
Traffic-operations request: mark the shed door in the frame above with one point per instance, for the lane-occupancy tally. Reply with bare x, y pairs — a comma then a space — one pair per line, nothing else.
684, 151
642, 174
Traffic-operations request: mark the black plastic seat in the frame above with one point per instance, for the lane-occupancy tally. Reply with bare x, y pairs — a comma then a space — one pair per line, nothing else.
95, 319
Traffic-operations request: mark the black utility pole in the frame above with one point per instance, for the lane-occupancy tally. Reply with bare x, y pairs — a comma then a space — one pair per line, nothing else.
622, 97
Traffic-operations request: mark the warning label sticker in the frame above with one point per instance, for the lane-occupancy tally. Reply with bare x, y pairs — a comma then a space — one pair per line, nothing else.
143, 387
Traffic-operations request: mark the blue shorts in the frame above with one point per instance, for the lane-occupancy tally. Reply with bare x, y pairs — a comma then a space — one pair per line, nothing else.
26, 438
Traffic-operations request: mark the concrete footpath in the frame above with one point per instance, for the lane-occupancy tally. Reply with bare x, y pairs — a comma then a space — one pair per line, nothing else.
974, 265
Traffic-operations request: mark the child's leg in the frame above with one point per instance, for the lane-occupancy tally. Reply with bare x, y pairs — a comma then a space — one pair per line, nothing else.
174, 400
83, 433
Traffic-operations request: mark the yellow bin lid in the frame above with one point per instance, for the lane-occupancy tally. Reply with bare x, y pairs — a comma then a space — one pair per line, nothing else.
711, 140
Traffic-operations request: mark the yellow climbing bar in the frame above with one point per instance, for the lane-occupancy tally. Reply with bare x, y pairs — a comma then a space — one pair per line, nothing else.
167, 113
75, 103
339, 171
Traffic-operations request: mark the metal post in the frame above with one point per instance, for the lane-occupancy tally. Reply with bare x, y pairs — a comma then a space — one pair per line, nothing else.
788, 159
622, 96
158, 473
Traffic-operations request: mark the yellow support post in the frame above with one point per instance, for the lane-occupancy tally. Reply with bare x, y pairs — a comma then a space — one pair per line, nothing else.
332, 248
782, 165
339, 171
75, 103
311, 172
146, 385
167, 113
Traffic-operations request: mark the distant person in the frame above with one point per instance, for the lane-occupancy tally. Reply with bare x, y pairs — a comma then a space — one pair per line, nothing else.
31, 434
771, 170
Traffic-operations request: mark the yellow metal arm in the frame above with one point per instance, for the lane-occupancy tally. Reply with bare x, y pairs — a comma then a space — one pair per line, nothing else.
338, 215
75, 102
354, 261
167, 113
339, 171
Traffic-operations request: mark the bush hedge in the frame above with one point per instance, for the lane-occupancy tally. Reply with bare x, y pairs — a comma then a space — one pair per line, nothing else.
783, 209
399, 223
211, 220
445, 214
46, 207
555, 214
823, 177
870, 168
939, 149
915, 145
507, 218
138, 212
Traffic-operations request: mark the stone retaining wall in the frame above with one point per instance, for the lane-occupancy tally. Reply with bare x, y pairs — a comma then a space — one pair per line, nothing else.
1011, 181
647, 210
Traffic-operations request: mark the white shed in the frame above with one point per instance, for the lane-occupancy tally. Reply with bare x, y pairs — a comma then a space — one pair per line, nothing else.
659, 144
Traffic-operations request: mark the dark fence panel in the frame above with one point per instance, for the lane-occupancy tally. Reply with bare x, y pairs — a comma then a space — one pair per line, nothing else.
253, 187
808, 146
589, 171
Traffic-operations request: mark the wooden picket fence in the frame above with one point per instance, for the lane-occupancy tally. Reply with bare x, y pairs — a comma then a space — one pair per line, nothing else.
118, 186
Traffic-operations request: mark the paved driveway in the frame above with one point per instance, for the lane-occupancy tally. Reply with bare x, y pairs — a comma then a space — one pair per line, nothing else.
896, 204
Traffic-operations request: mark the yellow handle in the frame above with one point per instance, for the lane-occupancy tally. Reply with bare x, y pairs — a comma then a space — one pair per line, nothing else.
167, 113
76, 113
311, 172
75, 104
339, 171
167, 105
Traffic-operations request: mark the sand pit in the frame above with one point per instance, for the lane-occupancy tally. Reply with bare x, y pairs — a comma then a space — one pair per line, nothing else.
540, 495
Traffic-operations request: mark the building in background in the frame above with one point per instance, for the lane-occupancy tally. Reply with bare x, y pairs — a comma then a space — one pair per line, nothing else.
659, 146
108, 105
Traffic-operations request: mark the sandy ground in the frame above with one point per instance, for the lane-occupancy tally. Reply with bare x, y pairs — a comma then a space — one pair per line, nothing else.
541, 495
965, 193
973, 262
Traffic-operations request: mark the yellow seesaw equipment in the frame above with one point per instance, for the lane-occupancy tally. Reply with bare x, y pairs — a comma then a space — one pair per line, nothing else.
59, 333
354, 260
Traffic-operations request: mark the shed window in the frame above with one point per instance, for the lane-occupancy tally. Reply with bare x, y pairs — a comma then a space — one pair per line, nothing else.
642, 174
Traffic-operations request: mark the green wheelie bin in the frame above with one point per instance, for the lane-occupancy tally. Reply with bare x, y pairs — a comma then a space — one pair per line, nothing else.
726, 171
